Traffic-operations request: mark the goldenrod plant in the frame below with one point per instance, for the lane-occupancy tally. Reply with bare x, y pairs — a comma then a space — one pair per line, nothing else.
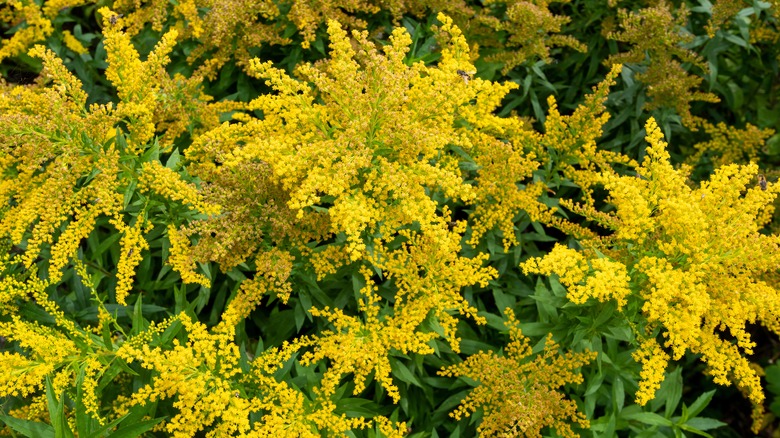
691, 262
400, 219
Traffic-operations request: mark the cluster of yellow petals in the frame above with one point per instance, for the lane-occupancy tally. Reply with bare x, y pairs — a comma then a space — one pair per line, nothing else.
71, 164
181, 260
728, 144
520, 397
655, 33
654, 361
37, 27
199, 375
165, 182
357, 162
585, 278
695, 258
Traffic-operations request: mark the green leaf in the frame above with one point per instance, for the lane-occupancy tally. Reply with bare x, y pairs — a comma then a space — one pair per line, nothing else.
128, 193
132, 420
300, 316
136, 429
173, 159
121, 143
674, 387
107, 341
403, 373
100, 432
319, 46
650, 418
121, 366
57, 412
31, 429
139, 323
594, 383
703, 423
171, 332
152, 153
180, 298
356, 407
545, 302
700, 403
618, 394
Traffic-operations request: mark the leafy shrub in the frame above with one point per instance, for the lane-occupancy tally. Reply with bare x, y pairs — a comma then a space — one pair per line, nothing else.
386, 219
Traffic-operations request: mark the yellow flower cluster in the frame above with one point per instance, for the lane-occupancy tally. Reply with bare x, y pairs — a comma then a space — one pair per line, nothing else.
132, 244
571, 140
135, 81
370, 151
65, 353
69, 165
394, 171
519, 396
198, 375
358, 153
654, 361
214, 395
655, 32
181, 261
228, 30
598, 278
49, 154
255, 216
363, 347
73, 43
728, 144
151, 100
48, 348
357, 147
36, 27
165, 182
533, 29
694, 258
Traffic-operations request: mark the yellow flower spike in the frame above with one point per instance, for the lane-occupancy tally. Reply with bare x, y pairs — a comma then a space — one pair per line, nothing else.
132, 245
695, 258
46, 350
532, 31
54, 70
38, 29
73, 43
729, 144
574, 138
189, 11
137, 82
455, 55
52, 8
166, 182
497, 197
389, 155
654, 32
570, 265
363, 348
199, 376
52, 152
93, 368
287, 411
273, 269
654, 361
181, 260
400, 42
520, 397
